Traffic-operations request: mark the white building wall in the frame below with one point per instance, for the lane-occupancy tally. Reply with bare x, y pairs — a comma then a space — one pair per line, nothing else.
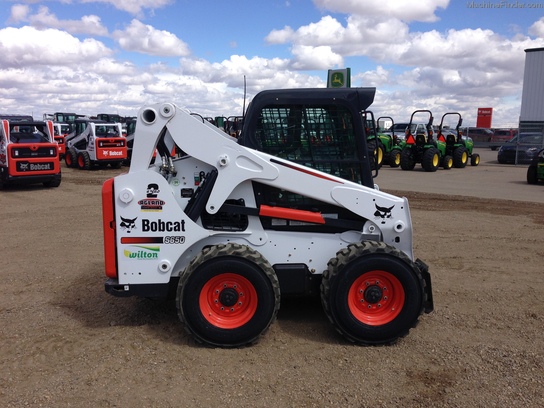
532, 99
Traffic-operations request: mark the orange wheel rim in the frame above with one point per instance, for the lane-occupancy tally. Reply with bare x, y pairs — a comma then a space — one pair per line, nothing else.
376, 298
228, 301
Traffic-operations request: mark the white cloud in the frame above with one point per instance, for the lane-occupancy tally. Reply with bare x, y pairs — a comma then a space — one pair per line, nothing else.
260, 73
405, 10
441, 70
27, 46
315, 58
280, 36
134, 7
379, 78
445, 69
139, 37
537, 29
19, 12
89, 25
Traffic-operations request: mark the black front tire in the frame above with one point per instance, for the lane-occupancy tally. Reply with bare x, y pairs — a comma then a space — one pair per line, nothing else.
532, 176
372, 293
376, 154
431, 159
228, 296
394, 158
447, 162
71, 158
460, 157
84, 160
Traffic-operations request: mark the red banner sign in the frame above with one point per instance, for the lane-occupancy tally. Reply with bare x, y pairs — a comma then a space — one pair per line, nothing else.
484, 117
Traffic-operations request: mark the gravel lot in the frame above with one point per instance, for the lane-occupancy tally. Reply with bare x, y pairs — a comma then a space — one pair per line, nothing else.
64, 342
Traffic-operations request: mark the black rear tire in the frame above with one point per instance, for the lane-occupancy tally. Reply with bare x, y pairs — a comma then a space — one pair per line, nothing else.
228, 296
54, 182
407, 159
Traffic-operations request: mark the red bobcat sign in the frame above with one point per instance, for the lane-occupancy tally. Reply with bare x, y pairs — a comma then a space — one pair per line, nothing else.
484, 117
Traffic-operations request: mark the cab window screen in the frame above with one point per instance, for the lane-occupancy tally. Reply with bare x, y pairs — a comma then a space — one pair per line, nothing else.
319, 137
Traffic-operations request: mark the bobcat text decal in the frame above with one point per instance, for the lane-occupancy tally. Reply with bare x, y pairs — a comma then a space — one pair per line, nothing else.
162, 226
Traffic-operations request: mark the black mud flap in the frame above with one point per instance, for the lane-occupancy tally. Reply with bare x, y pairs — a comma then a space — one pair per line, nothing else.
424, 269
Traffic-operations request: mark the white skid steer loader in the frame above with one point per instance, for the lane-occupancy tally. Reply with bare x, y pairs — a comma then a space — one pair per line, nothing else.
230, 229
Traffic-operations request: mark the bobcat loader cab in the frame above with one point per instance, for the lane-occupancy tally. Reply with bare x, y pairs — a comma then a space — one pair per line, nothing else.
316, 129
231, 230
61, 131
95, 142
28, 153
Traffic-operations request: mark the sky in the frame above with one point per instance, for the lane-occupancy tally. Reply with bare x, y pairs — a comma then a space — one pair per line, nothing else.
212, 56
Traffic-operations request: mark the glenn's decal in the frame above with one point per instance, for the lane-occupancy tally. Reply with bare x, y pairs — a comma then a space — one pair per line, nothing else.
151, 202
383, 212
152, 190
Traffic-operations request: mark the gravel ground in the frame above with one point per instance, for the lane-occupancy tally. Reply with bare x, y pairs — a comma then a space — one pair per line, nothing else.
64, 342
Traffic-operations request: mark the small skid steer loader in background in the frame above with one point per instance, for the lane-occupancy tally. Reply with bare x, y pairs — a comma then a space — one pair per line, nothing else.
232, 229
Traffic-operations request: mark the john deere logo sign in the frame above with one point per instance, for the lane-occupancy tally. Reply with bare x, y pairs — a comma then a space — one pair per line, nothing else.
339, 78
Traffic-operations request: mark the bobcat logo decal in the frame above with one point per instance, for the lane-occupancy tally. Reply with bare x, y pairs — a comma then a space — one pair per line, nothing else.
383, 212
128, 224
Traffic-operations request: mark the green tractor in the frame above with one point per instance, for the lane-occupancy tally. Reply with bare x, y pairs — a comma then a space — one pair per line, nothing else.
420, 147
373, 139
459, 147
392, 143
535, 171
386, 147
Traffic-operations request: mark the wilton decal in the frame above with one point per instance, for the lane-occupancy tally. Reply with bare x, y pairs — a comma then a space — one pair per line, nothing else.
140, 252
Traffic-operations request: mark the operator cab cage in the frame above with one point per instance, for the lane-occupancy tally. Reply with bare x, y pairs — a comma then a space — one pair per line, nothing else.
29, 132
324, 131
